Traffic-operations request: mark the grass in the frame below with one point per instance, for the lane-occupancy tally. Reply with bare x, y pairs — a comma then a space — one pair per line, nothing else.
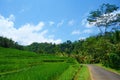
109, 69
47, 71
24, 65
83, 73
69, 73
12, 59
13, 53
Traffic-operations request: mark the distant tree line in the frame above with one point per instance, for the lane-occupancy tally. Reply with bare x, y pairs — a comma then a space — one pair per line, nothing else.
9, 43
95, 49
103, 49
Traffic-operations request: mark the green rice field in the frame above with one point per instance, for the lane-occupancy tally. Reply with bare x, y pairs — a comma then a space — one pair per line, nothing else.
24, 65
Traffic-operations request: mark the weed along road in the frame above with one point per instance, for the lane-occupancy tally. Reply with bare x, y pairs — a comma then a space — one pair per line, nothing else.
98, 73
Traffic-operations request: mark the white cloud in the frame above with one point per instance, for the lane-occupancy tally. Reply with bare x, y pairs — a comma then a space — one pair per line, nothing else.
6, 24
85, 23
11, 18
71, 22
87, 31
51, 23
27, 33
60, 23
76, 32
82, 38
31, 27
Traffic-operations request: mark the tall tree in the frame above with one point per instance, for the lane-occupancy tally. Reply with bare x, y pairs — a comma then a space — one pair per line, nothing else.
103, 17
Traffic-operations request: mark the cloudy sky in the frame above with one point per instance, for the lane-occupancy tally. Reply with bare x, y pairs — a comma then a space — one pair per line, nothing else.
27, 21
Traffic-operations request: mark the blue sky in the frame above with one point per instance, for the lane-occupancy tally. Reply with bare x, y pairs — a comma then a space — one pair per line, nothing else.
56, 21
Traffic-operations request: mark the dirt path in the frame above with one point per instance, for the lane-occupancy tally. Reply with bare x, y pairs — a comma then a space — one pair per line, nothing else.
98, 73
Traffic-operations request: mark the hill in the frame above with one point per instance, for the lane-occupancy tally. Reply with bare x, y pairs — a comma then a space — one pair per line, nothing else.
25, 65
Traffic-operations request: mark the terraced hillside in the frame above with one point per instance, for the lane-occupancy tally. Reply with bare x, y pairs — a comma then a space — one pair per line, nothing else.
24, 65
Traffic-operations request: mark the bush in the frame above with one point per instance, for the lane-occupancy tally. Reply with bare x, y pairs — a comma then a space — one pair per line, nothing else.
114, 60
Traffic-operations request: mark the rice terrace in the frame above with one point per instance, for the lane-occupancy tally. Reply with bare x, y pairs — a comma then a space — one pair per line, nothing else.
59, 40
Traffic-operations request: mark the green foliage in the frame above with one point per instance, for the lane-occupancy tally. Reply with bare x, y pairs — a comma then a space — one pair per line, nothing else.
103, 17
69, 73
114, 61
12, 59
24, 65
100, 49
43, 48
108, 8
48, 71
66, 47
84, 73
71, 61
106, 46
95, 49
9, 43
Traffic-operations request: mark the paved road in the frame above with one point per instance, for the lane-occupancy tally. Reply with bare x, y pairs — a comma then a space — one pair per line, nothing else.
98, 73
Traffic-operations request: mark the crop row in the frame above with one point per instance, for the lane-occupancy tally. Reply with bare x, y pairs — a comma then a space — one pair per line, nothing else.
47, 71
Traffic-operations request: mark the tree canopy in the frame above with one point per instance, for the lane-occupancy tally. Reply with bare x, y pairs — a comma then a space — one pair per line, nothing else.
104, 17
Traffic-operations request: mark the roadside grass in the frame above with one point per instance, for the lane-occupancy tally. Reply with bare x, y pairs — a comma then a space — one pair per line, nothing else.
109, 69
83, 73
69, 73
